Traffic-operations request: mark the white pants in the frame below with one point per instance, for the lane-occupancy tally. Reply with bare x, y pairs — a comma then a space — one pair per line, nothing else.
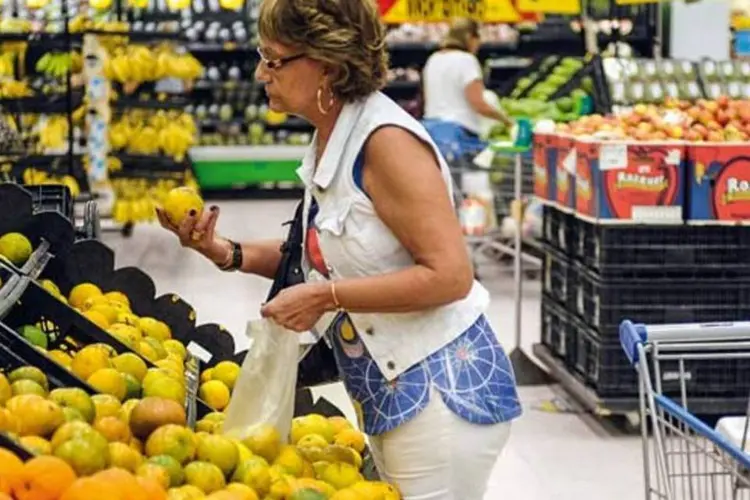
438, 455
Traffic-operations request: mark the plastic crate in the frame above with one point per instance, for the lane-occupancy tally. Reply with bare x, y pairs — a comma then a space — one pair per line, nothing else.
16, 352
559, 277
52, 197
664, 251
603, 304
555, 330
604, 366
560, 230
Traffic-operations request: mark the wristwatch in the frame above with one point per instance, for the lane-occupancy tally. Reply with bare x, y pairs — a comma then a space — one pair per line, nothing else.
234, 262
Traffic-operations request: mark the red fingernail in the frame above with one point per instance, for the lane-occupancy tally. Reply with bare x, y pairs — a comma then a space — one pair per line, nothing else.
214, 208
192, 213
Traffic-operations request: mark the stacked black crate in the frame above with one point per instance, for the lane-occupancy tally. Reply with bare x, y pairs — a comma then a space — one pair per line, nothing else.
559, 283
655, 275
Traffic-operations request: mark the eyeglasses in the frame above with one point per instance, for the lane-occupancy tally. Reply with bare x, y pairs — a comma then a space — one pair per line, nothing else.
276, 64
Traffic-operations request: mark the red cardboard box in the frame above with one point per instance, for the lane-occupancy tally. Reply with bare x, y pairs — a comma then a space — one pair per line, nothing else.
566, 172
544, 153
719, 182
635, 181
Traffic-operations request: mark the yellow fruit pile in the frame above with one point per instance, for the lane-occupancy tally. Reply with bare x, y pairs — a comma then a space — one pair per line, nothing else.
147, 132
126, 375
148, 438
35, 177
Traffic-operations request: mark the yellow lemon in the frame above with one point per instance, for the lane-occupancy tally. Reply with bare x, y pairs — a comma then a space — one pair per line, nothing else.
132, 364
81, 293
15, 247
179, 202
226, 372
109, 381
89, 360
61, 357
118, 297
215, 394
176, 348
152, 327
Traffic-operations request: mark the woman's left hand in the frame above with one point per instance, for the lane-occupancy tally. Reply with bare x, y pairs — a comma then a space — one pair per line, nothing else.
298, 308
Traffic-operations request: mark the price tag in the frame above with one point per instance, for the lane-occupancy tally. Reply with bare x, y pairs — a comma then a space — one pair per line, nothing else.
613, 156
727, 68
649, 68
631, 68
714, 90
570, 161
199, 352
656, 91
709, 68
672, 89
637, 91
618, 92
734, 89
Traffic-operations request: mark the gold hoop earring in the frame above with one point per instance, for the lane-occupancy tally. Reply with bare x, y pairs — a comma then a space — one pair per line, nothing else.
331, 102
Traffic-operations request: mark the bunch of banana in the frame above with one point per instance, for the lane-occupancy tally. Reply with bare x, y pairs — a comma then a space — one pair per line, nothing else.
7, 64
150, 132
79, 24
14, 89
175, 141
116, 38
181, 66
12, 25
53, 132
58, 64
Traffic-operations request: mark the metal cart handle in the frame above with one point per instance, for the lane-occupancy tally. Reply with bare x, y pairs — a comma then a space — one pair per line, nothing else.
633, 334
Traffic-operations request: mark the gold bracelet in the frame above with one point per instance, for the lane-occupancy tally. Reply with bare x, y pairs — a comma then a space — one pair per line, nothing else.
336, 302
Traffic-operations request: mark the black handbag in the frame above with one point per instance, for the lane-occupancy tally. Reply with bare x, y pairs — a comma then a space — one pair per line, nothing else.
318, 366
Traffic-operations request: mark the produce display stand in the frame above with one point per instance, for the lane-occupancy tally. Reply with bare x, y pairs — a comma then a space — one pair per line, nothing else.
654, 230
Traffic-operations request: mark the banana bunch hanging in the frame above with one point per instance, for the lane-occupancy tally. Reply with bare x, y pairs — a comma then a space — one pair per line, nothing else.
59, 64
142, 132
11, 25
32, 177
7, 64
139, 63
136, 199
53, 133
14, 89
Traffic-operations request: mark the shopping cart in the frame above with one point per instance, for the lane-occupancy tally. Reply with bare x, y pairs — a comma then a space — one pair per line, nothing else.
683, 457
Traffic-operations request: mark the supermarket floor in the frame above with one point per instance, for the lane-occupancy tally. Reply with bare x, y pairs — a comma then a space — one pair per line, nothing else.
551, 455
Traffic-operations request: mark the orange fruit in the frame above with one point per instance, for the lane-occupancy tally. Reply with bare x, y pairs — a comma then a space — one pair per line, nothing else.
123, 456
152, 488
43, 478
38, 416
113, 429
10, 470
90, 359
88, 488
122, 481
173, 440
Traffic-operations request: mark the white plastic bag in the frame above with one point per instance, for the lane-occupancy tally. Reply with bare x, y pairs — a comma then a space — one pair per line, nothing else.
265, 390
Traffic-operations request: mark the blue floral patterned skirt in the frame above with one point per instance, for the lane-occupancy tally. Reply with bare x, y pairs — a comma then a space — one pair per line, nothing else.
472, 374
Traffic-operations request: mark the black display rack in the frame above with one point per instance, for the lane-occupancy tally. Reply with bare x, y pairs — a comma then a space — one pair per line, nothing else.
596, 276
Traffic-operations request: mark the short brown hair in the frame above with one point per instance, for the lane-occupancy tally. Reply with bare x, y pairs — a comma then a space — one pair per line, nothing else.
346, 34
459, 33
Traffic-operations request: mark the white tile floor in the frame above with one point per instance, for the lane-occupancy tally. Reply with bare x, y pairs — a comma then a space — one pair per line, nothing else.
551, 456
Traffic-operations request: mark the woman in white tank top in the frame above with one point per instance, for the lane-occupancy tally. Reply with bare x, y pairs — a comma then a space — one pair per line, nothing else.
453, 83
387, 276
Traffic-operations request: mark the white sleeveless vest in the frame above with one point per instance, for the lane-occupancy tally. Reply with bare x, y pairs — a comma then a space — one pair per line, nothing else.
356, 243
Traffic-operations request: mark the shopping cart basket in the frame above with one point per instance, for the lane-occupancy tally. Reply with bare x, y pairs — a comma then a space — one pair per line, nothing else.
683, 457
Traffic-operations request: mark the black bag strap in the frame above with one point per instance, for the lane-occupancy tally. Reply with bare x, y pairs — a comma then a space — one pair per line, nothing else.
291, 255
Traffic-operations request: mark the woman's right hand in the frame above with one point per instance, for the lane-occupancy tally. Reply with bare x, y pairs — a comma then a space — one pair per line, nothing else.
199, 233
